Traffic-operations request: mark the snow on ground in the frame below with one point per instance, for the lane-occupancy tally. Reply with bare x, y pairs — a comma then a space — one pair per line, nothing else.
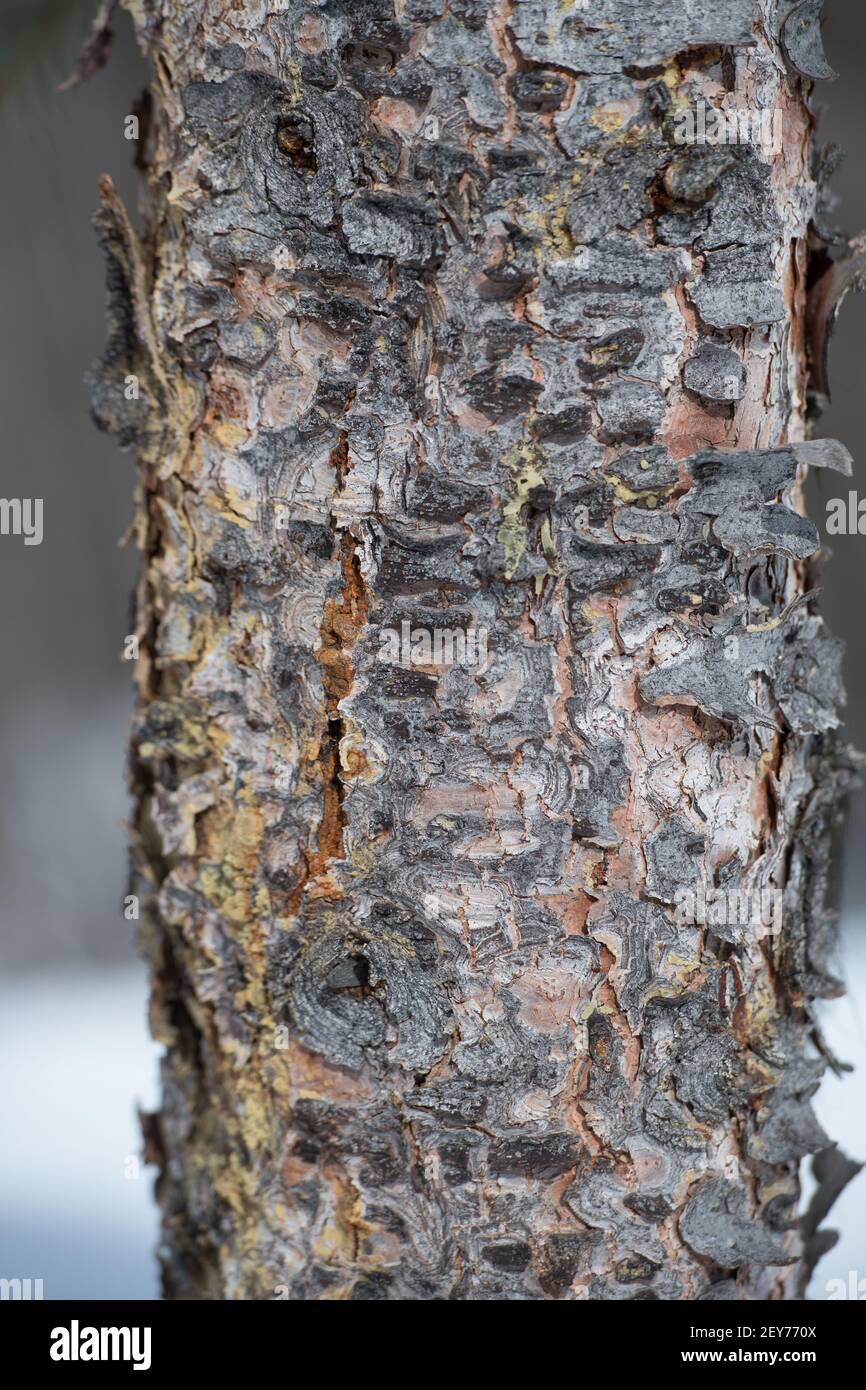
77, 1062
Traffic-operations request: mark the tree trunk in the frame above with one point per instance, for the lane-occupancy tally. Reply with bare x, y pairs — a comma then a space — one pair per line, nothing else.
483, 760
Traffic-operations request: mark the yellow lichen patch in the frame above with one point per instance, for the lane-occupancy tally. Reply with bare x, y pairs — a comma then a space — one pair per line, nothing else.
556, 240
362, 859
254, 995
548, 546
194, 631
526, 475
607, 118
600, 356
228, 433
759, 1072
242, 508
650, 496
671, 77
230, 838
682, 968
596, 619
243, 826
185, 409
276, 1076
339, 1241
761, 1009
222, 894
560, 236
335, 1244
293, 73
255, 1125
770, 624
177, 729
230, 1181
765, 762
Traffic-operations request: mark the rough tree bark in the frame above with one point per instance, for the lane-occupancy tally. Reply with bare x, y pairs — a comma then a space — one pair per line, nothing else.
434, 322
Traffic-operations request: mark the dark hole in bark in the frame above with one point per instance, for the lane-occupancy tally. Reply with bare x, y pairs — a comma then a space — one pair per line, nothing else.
351, 973
539, 90
540, 500
368, 55
294, 137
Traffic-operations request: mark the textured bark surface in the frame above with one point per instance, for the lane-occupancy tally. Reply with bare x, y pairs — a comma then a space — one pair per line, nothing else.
435, 323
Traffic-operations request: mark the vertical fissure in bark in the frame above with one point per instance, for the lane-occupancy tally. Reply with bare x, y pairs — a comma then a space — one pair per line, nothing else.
343, 619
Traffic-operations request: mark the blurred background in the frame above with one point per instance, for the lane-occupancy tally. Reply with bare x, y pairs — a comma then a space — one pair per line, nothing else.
76, 1208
